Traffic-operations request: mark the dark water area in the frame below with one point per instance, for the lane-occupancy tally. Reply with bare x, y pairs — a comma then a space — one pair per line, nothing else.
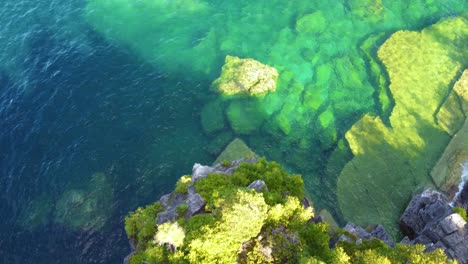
79, 114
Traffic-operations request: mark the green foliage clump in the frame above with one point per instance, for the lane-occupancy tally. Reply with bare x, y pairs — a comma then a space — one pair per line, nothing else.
182, 210
213, 187
316, 240
375, 251
141, 224
183, 184
243, 217
461, 211
170, 234
280, 183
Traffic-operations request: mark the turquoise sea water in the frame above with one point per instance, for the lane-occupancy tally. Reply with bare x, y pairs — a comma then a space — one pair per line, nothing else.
101, 102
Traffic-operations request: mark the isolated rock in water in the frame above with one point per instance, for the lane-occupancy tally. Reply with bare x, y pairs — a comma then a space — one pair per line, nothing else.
245, 76
237, 149
86, 208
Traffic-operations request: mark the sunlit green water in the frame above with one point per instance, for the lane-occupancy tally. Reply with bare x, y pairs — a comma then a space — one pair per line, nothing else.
325, 52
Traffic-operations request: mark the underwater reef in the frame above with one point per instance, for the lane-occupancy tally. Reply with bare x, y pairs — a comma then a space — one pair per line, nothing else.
393, 161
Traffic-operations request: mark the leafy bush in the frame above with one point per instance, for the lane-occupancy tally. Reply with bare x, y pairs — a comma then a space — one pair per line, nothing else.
183, 184
182, 210
141, 224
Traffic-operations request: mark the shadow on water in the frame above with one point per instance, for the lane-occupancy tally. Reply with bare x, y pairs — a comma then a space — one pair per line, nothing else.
82, 114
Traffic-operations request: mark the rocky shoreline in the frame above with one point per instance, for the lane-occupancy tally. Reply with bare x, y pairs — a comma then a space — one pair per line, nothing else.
428, 219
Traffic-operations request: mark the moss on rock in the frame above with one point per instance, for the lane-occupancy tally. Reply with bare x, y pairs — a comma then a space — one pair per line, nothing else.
245, 76
311, 23
237, 149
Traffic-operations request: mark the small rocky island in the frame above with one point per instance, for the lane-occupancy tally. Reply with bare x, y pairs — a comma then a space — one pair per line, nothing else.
253, 211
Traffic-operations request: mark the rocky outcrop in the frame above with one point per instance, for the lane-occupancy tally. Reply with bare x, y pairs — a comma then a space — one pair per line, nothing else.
357, 234
192, 200
245, 76
429, 220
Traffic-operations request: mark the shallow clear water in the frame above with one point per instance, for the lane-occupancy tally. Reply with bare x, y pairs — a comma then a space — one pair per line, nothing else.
100, 105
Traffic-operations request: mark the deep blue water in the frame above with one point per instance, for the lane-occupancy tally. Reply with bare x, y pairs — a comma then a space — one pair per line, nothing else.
71, 105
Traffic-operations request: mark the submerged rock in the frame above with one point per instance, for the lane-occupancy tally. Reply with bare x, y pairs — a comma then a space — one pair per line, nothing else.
311, 23
237, 149
86, 208
390, 162
245, 76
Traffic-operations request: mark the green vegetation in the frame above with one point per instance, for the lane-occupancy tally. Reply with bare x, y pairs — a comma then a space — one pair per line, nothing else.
244, 226
461, 211
183, 184
141, 225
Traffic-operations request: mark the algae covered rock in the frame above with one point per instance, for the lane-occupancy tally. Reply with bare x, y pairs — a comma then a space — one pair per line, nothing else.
390, 163
245, 76
314, 23
237, 149
453, 112
86, 208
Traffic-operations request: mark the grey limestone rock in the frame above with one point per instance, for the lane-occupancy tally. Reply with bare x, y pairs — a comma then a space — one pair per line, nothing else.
423, 209
360, 234
429, 220
199, 171
258, 186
